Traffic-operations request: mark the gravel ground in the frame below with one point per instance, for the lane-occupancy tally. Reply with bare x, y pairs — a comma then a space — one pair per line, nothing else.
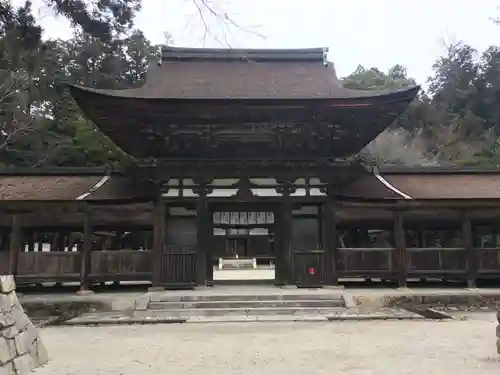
354, 348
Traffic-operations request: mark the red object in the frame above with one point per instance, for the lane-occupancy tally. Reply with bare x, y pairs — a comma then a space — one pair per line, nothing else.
312, 271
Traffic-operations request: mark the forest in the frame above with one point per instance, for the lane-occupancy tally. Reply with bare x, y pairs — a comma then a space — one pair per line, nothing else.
454, 121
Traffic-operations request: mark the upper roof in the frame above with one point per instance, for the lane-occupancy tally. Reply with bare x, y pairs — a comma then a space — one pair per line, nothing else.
201, 73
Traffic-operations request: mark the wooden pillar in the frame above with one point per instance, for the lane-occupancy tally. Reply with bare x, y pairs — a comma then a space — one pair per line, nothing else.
204, 233
400, 244
119, 238
471, 254
15, 245
287, 240
31, 240
85, 254
330, 242
283, 240
159, 223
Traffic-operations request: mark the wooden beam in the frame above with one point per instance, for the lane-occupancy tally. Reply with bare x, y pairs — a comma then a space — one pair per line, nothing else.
471, 253
204, 240
284, 273
401, 253
86, 250
15, 244
330, 241
159, 229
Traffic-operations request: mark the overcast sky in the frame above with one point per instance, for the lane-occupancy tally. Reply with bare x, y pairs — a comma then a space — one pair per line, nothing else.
368, 32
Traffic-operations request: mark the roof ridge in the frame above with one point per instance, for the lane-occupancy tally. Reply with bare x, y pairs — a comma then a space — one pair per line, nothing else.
169, 53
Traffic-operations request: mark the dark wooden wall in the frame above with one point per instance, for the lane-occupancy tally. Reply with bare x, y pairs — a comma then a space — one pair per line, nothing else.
325, 245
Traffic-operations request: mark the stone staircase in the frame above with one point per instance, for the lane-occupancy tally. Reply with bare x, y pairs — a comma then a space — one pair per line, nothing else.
242, 304
234, 307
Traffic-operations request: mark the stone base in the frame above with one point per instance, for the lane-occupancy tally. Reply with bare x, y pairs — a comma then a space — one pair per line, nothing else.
288, 286
153, 289
338, 287
21, 349
403, 289
85, 292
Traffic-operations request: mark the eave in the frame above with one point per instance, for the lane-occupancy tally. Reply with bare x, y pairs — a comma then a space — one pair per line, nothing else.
132, 122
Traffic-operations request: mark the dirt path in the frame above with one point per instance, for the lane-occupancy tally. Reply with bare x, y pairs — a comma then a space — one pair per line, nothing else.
354, 348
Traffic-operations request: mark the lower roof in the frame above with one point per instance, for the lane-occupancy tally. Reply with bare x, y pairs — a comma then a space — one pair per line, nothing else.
83, 185
387, 184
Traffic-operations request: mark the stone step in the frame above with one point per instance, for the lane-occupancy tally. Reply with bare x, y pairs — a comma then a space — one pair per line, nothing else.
167, 297
245, 304
260, 311
147, 317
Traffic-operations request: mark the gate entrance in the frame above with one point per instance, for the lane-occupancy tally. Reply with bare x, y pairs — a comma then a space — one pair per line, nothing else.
243, 244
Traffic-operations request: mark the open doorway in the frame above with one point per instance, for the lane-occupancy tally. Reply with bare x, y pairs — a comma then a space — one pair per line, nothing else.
243, 247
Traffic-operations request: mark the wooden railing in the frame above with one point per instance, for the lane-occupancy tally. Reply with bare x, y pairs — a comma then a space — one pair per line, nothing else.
365, 262
48, 266
437, 262
488, 262
310, 267
120, 265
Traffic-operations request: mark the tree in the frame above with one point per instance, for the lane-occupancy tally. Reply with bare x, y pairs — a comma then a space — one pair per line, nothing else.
104, 19
374, 79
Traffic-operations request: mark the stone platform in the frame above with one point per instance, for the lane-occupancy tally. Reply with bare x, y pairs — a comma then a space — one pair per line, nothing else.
21, 349
225, 303
250, 304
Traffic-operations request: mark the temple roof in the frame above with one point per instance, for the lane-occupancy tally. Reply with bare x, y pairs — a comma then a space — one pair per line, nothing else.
194, 73
68, 185
429, 183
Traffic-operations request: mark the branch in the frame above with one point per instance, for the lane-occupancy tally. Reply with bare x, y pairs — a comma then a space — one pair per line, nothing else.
14, 121
46, 157
9, 138
206, 8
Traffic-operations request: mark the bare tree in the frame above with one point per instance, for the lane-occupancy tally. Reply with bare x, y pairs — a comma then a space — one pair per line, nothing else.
15, 118
213, 15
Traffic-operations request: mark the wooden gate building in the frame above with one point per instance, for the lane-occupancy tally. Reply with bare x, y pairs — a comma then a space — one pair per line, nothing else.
253, 153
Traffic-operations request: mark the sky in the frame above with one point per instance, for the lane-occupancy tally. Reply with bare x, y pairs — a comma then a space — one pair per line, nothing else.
371, 33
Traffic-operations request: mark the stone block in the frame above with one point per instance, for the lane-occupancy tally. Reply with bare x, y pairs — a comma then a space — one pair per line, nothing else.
7, 302
23, 322
39, 353
5, 352
6, 320
30, 334
10, 332
23, 343
24, 364
7, 369
12, 347
7, 284
21, 350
